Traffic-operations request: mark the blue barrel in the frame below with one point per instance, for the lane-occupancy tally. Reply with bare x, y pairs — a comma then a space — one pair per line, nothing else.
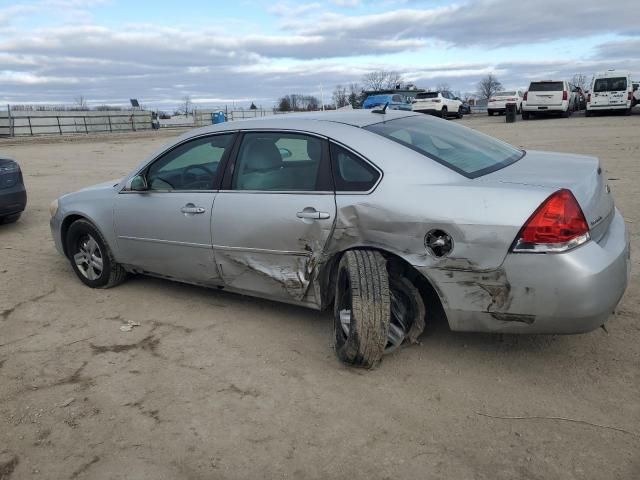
217, 117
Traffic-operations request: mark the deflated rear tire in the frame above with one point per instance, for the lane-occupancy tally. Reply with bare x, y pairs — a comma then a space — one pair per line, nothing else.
91, 257
362, 310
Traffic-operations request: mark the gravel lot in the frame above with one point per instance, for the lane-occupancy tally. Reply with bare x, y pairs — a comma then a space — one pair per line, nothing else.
219, 386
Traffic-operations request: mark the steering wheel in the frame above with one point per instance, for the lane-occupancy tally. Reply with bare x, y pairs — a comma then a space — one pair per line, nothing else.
197, 181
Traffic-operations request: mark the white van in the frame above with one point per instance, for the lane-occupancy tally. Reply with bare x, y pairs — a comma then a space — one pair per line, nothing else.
610, 90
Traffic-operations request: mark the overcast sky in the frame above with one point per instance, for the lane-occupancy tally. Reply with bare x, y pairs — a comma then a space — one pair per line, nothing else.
221, 52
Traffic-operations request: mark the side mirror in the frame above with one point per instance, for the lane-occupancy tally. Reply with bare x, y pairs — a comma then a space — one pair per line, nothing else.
285, 152
138, 184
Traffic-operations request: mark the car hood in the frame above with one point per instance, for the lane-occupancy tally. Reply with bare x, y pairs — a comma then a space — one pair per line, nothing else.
103, 186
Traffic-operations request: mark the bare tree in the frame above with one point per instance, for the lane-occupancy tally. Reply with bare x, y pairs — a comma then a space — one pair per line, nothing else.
381, 80
489, 86
580, 80
186, 105
355, 95
443, 87
81, 103
340, 98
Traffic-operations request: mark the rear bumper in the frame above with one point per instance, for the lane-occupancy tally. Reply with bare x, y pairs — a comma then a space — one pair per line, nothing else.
428, 111
13, 200
545, 108
616, 106
571, 292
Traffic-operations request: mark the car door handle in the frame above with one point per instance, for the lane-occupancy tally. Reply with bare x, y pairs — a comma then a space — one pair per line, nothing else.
312, 214
192, 209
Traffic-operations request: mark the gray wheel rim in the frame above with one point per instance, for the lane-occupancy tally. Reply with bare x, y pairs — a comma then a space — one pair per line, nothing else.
88, 258
398, 328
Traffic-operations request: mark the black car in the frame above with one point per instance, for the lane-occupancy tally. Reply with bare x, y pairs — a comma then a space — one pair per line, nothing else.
13, 196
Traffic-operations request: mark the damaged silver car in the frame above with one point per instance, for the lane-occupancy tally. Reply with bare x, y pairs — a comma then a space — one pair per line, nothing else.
384, 216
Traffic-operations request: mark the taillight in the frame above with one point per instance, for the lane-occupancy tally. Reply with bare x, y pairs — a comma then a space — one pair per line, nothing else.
565, 95
525, 96
588, 98
557, 225
512, 99
437, 100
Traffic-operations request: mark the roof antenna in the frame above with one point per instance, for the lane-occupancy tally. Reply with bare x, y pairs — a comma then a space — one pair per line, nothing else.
383, 110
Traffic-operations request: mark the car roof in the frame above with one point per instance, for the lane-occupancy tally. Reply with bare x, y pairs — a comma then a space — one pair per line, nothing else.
307, 121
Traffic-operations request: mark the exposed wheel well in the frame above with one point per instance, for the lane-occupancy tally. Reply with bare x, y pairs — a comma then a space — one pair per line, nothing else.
397, 265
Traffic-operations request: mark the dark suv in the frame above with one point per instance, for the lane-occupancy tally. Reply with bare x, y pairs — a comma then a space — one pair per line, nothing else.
13, 196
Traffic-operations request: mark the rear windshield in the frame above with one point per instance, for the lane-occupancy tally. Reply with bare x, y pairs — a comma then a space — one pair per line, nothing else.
613, 84
505, 94
427, 95
546, 87
461, 149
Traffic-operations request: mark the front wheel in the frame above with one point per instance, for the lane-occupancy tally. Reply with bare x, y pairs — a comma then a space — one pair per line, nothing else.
91, 257
525, 115
10, 218
443, 112
490, 113
459, 114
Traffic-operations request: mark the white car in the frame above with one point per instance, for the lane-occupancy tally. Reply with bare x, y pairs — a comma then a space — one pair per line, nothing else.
498, 102
610, 90
443, 104
548, 97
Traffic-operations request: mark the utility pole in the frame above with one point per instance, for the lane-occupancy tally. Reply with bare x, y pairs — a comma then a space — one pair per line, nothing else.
322, 97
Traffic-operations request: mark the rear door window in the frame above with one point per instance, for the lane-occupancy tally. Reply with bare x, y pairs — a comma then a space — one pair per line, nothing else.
352, 173
613, 84
281, 162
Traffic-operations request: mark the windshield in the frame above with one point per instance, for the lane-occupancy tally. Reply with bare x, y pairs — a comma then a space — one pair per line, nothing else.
427, 95
505, 94
614, 84
461, 149
546, 87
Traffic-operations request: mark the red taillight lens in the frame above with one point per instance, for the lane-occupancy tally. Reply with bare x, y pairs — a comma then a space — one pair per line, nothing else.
512, 99
556, 226
565, 95
525, 96
588, 98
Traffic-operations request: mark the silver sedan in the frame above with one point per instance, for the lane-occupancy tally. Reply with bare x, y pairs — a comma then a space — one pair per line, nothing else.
385, 217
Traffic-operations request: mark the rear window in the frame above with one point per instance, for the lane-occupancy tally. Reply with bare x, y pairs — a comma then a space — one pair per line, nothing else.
613, 84
546, 87
427, 95
461, 149
505, 94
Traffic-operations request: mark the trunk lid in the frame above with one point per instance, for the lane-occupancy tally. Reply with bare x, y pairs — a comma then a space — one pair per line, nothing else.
582, 175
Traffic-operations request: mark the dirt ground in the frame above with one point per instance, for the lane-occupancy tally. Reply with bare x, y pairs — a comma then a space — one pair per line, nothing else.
219, 386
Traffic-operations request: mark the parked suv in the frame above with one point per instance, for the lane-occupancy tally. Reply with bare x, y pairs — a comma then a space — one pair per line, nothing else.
442, 104
498, 102
610, 90
548, 97
13, 196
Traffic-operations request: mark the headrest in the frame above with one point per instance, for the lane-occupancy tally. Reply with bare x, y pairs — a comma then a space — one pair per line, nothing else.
314, 149
262, 154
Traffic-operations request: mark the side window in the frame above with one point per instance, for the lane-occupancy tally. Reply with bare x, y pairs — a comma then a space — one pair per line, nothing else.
279, 162
191, 166
397, 99
351, 173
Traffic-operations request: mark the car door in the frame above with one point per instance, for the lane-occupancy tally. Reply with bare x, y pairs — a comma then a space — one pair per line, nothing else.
165, 229
274, 215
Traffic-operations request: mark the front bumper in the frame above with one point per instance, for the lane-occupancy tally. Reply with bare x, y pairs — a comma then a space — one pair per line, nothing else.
570, 292
13, 200
56, 232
